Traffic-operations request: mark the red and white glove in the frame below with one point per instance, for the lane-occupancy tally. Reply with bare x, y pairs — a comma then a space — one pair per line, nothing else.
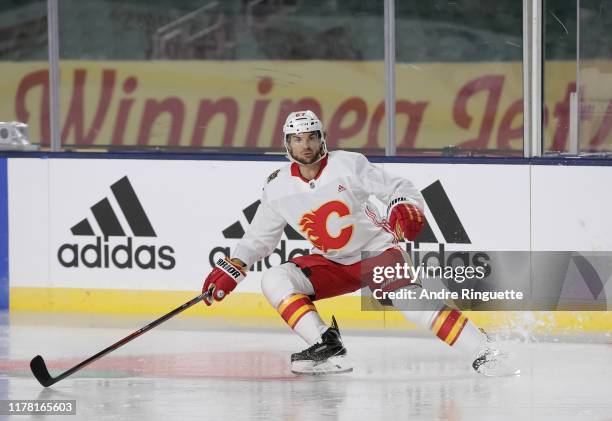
222, 280
406, 221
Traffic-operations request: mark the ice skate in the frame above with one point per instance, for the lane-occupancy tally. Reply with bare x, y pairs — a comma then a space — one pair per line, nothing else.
492, 362
325, 357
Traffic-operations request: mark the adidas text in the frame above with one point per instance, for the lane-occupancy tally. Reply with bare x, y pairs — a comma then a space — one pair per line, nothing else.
101, 254
444, 258
280, 255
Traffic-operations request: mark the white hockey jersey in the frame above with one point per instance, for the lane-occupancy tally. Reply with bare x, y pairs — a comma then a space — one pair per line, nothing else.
333, 211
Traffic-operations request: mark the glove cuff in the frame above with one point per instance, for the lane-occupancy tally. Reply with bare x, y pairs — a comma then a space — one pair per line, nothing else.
233, 271
395, 202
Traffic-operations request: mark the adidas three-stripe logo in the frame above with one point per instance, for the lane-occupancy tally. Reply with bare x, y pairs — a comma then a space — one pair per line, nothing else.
98, 250
445, 216
237, 231
107, 220
437, 201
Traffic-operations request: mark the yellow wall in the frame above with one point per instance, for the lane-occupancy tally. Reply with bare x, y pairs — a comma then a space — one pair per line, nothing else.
251, 309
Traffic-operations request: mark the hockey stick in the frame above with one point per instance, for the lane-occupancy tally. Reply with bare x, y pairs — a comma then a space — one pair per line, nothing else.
39, 368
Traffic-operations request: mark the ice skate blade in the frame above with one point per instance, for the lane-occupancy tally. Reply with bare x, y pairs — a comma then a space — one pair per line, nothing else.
505, 373
333, 365
321, 373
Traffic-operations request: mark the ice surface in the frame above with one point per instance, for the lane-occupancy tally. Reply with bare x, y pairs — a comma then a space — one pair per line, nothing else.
178, 373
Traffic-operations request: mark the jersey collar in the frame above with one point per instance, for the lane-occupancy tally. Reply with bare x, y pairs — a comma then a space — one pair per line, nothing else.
295, 170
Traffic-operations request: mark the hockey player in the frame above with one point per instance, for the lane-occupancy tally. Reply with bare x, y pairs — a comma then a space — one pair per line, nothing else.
325, 196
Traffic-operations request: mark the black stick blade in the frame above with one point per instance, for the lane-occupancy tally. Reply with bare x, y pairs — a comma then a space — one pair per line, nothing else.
39, 369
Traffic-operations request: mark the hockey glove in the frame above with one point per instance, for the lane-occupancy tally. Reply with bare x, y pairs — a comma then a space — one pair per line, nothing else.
406, 221
222, 280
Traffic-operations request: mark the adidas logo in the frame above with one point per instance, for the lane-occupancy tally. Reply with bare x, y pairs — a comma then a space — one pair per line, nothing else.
236, 231
107, 219
105, 253
445, 216
452, 230
341, 188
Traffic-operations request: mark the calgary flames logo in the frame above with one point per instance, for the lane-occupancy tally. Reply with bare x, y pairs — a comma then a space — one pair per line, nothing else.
314, 225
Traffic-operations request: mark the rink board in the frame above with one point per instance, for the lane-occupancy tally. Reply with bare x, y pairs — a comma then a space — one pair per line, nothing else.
4, 252
60, 260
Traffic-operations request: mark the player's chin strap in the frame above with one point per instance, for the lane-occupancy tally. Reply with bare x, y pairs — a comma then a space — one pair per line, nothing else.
292, 159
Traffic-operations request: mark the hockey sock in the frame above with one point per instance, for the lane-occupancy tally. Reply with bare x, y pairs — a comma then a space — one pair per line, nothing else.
454, 328
301, 316
470, 339
450, 326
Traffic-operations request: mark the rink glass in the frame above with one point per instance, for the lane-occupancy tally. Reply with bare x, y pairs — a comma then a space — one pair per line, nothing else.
578, 48
459, 84
218, 76
222, 75
23, 54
